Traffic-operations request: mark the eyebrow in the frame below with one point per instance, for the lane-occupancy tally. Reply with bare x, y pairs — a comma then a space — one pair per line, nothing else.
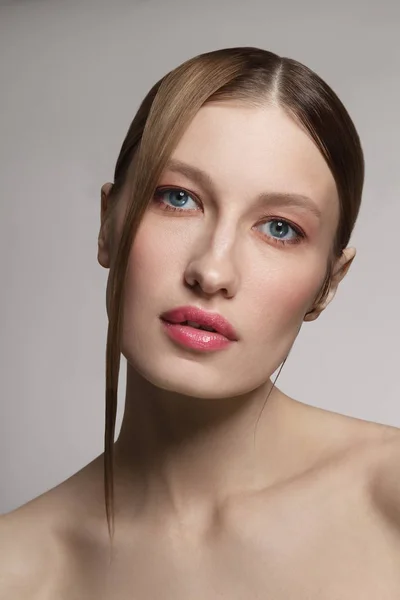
202, 179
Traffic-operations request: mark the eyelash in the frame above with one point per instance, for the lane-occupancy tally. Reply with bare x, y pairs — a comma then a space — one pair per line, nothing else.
161, 191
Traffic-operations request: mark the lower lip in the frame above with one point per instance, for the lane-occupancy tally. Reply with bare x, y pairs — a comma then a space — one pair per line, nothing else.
195, 339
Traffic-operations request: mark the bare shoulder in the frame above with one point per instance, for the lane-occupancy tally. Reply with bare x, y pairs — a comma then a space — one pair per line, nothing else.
385, 477
376, 463
374, 449
24, 553
367, 452
369, 460
40, 540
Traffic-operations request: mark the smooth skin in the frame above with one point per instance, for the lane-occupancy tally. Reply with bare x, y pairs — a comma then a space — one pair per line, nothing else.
303, 504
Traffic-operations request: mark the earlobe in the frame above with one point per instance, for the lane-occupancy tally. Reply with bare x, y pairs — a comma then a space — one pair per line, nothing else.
340, 270
103, 255
342, 266
347, 258
311, 315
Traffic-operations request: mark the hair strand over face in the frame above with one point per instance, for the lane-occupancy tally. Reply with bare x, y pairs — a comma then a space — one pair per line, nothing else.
248, 75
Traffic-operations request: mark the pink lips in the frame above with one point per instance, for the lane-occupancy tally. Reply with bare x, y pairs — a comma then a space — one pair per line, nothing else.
186, 334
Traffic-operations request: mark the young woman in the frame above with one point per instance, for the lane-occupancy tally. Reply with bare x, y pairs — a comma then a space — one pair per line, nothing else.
226, 228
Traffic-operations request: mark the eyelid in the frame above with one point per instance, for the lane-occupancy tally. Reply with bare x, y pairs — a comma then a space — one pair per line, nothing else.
162, 189
271, 217
204, 181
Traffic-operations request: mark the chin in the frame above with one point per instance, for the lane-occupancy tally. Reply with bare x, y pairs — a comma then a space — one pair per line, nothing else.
190, 378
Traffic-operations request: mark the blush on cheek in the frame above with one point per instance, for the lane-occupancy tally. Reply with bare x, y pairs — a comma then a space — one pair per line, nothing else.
155, 267
287, 296
153, 252
302, 292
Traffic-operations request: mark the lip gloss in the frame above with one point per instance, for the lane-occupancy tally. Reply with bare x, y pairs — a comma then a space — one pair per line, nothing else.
194, 338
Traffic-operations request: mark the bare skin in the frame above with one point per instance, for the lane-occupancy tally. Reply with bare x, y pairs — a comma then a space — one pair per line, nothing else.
330, 527
207, 505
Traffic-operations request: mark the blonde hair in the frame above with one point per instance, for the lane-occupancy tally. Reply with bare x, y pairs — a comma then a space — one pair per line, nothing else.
249, 75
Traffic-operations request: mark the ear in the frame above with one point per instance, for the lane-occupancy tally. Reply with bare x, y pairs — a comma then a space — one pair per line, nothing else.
341, 268
104, 240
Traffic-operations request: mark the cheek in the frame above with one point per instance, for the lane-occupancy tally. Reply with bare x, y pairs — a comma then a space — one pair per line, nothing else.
274, 294
280, 297
155, 261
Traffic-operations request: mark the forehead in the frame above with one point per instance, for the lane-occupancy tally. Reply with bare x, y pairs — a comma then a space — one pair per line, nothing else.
248, 151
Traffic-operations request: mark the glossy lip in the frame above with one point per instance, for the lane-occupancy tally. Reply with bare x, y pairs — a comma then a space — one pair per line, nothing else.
207, 319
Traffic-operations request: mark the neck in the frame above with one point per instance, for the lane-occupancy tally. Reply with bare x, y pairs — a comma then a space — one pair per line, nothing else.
176, 452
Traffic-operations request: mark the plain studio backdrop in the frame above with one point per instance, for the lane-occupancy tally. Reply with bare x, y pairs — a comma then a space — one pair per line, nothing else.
72, 75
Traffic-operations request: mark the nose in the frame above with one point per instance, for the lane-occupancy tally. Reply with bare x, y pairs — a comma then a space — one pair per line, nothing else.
213, 269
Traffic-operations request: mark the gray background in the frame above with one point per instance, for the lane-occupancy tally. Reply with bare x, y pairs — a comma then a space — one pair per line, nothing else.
72, 74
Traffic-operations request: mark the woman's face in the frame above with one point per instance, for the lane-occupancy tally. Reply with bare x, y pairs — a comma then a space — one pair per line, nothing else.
244, 232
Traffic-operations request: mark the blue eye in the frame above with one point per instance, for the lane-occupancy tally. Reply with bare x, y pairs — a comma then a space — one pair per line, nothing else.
178, 200
175, 199
281, 231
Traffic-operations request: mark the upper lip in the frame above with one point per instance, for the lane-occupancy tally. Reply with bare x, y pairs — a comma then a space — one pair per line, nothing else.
208, 319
